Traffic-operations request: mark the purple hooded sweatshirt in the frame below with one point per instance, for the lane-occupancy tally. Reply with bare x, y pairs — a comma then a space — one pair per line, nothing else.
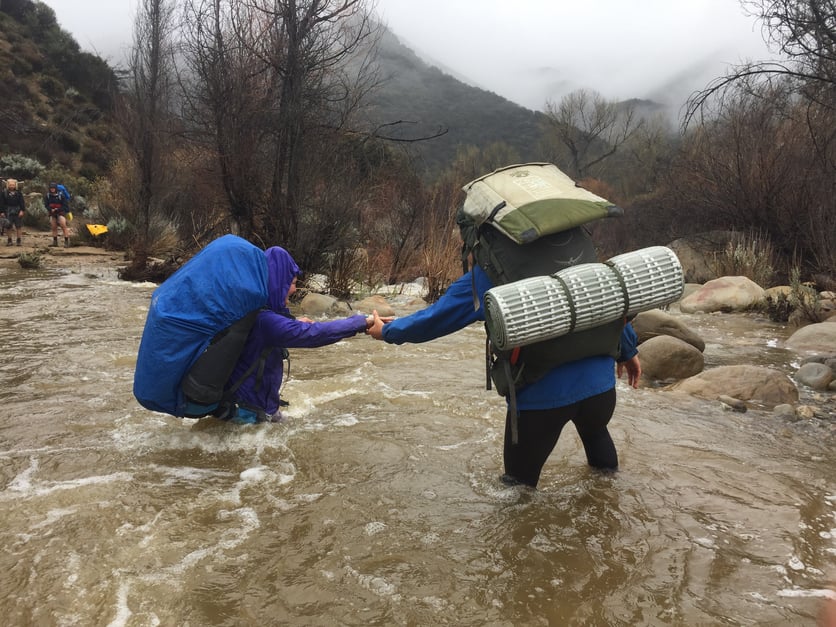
276, 328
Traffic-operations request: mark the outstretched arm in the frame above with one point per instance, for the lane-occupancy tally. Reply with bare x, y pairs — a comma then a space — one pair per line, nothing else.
278, 330
452, 312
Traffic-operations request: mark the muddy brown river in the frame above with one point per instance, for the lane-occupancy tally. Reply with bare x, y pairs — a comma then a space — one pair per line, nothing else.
377, 500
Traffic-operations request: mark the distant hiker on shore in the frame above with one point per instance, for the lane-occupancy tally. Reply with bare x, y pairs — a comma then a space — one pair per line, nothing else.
12, 209
57, 206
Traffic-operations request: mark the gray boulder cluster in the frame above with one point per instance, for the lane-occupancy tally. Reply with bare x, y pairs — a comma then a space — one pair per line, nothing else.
672, 354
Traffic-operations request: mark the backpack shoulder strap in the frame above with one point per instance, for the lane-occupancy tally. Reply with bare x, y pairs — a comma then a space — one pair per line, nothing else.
257, 364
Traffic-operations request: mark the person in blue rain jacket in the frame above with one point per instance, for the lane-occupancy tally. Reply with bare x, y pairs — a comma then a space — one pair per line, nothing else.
581, 392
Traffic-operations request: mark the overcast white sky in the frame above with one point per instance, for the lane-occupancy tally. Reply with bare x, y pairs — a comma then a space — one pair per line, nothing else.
527, 50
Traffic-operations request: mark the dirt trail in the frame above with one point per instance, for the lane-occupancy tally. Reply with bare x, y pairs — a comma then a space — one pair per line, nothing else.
39, 242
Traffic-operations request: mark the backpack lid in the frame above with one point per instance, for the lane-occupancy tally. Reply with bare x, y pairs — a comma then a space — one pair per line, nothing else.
527, 201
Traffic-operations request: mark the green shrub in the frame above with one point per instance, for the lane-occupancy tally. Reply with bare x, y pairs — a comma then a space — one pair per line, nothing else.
97, 157
52, 87
36, 216
68, 142
803, 302
22, 67
120, 233
29, 260
79, 204
778, 308
16, 166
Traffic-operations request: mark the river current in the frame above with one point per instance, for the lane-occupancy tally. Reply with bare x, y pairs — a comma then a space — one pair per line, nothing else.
377, 500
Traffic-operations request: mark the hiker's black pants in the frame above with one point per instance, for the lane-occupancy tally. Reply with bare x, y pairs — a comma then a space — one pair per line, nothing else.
539, 430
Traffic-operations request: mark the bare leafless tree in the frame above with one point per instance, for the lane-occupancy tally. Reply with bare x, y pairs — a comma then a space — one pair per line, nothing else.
752, 167
147, 113
228, 93
273, 86
645, 157
769, 128
320, 52
803, 35
804, 31
589, 128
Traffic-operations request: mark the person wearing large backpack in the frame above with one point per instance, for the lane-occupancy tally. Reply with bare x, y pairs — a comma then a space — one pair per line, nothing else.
255, 383
12, 209
526, 221
57, 206
581, 391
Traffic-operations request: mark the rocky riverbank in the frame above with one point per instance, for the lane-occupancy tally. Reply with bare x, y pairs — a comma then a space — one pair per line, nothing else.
38, 242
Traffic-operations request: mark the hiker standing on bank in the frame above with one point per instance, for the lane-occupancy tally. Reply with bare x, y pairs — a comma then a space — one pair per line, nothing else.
56, 203
12, 209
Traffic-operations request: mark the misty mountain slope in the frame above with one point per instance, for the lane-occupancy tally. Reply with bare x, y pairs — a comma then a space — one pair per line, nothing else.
427, 100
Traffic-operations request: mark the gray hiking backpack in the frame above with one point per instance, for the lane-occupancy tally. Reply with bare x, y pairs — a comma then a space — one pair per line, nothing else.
523, 221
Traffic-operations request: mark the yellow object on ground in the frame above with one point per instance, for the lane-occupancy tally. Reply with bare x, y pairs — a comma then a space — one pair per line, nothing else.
96, 229
70, 215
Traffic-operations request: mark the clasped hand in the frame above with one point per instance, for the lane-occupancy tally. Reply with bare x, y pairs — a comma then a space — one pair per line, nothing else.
374, 324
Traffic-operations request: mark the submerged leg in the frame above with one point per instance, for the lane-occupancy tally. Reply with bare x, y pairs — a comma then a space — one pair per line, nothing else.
593, 417
538, 432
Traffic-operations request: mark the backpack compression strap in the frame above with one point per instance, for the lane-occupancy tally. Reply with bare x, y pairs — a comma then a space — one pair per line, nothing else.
508, 359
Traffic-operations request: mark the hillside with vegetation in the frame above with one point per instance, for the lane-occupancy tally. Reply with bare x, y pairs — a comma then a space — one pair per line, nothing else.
57, 99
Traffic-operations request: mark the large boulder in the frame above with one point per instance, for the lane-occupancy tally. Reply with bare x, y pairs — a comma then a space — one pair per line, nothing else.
665, 357
375, 302
759, 384
697, 253
323, 305
817, 338
728, 293
689, 289
655, 322
777, 291
827, 305
814, 375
